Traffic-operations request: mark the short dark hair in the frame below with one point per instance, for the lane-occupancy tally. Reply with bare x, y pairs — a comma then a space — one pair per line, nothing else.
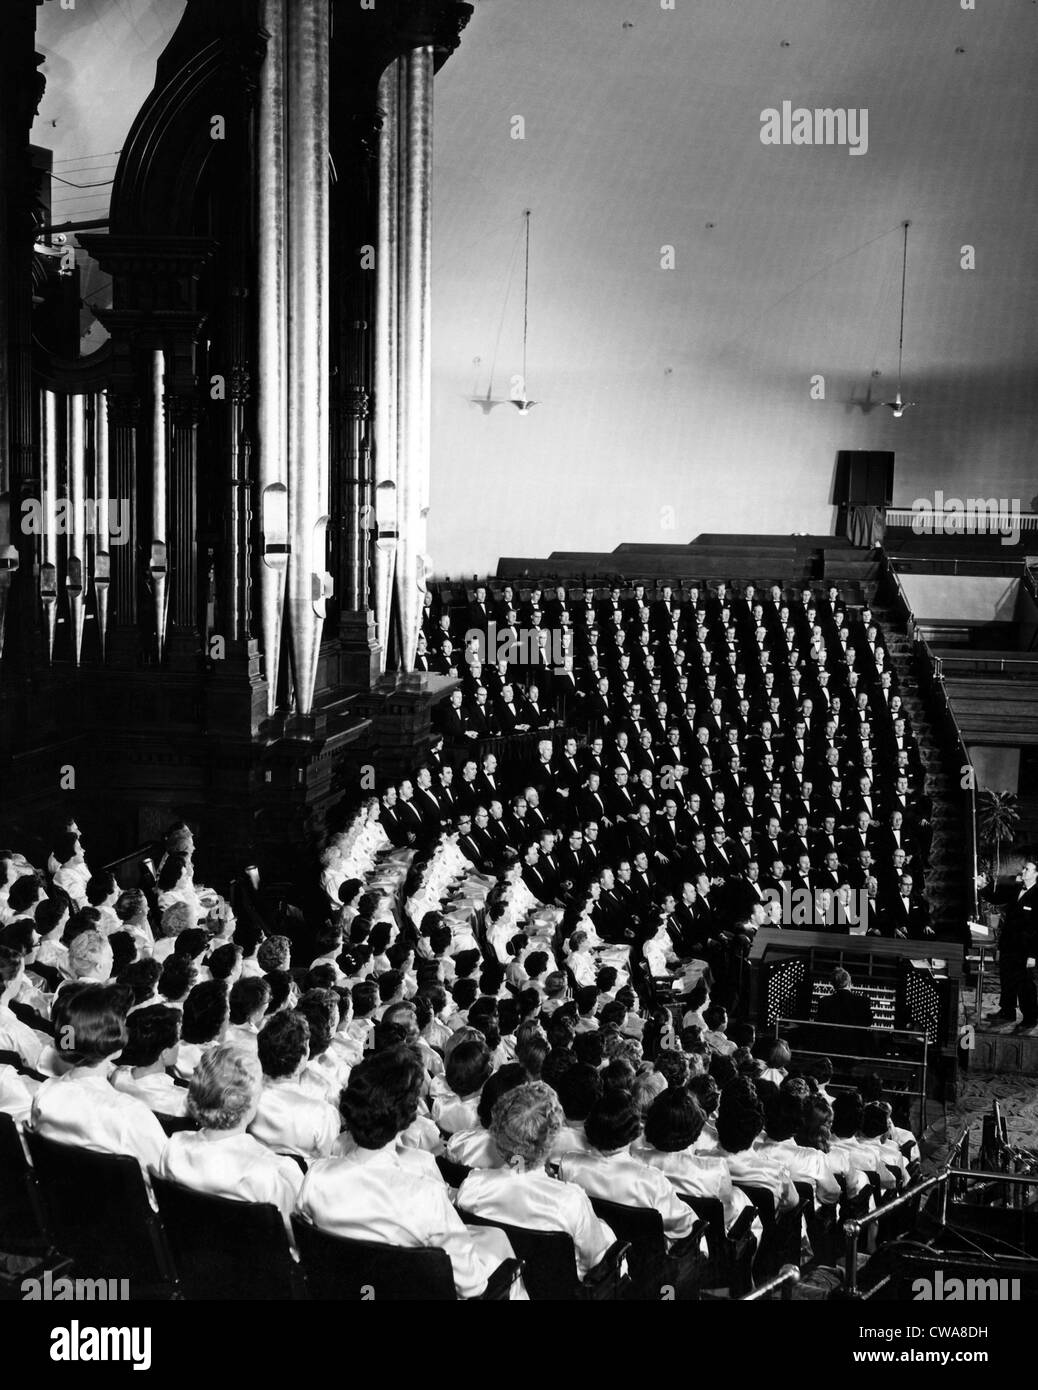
739, 1115
464, 993
875, 1119
222, 961
142, 977
365, 998
848, 1110
19, 936
783, 1114
578, 1089
205, 1012
674, 1121
388, 984
706, 1091
149, 1033
274, 954
673, 1066
323, 976
24, 892
588, 1048
586, 997
612, 1014
10, 964
613, 1121
381, 1097
379, 937
178, 975
280, 982
468, 1067
248, 995
318, 1007
505, 1079
100, 886
65, 845
283, 1043
124, 950
49, 913
191, 942
94, 1023
171, 871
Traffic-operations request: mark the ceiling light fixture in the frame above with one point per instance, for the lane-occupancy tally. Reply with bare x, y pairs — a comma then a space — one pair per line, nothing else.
899, 405
519, 397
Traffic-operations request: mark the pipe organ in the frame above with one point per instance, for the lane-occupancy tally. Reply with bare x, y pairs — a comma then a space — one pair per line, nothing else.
229, 496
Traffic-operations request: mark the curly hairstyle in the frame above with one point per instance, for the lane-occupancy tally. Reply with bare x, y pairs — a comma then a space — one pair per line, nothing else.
525, 1122
739, 1115
815, 1130
224, 1088
381, 1097
674, 1122
283, 1043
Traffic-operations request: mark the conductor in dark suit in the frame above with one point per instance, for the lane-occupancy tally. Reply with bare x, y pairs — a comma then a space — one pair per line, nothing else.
845, 1007
1017, 946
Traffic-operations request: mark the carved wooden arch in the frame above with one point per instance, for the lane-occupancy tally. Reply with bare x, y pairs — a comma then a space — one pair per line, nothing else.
207, 67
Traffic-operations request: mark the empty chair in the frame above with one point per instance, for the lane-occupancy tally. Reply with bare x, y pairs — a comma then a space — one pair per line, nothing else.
226, 1249
99, 1213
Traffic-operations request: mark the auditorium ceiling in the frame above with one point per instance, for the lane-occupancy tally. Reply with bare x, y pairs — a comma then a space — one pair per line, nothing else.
642, 131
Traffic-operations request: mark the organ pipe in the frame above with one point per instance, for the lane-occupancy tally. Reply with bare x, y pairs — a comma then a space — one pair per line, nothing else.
159, 567
75, 576
49, 566
415, 384
387, 313
102, 554
272, 395
307, 29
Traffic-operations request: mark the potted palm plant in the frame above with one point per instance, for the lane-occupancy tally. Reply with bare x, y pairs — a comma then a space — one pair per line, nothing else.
998, 818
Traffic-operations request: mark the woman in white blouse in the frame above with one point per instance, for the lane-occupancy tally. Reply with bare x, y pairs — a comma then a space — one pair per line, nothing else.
80, 1106
288, 1119
153, 1037
382, 1192
175, 885
475, 1147
672, 1126
739, 1122
784, 1117
220, 1157
520, 1193
609, 1171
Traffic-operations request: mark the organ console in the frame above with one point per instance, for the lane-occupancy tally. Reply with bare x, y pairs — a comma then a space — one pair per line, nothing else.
912, 986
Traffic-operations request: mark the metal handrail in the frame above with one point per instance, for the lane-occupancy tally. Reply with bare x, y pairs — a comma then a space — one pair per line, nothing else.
786, 1279
989, 665
852, 1229
936, 665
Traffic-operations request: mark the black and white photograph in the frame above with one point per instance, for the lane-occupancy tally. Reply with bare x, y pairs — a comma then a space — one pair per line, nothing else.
519, 666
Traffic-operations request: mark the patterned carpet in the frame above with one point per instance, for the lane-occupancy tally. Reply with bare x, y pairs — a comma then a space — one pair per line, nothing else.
1017, 1097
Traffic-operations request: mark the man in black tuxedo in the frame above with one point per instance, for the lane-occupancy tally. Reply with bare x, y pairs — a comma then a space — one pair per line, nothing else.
846, 1007
1018, 946
909, 913
451, 719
